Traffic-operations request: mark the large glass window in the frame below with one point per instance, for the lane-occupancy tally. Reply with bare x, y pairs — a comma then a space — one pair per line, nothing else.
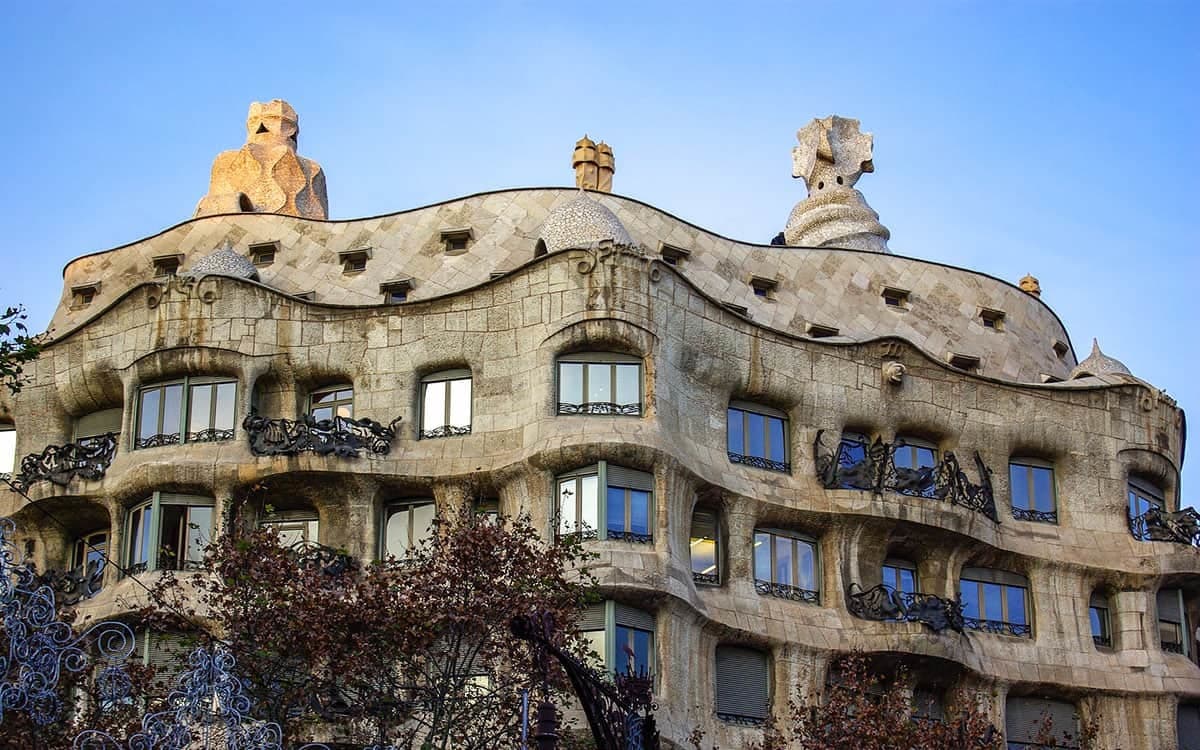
1098, 619
1144, 497
914, 462
168, 532
92, 426
295, 528
407, 525
995, 601
622, 637
705, 547
626, 504
446, 404
757, 436
900, 575
1031, 483
599, 383
190, 410
743, 685
8, 448
334, 401
1172, 621
786, 565
88, 557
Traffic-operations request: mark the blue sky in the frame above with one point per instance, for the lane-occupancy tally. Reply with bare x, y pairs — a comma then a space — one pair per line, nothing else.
1056, 138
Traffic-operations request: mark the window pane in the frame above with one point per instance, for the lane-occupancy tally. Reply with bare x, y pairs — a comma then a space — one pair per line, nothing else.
434, 414
590, 514
615, 510
570, 382
734, 436
346, 411
595, 640
1043, 488
172, 409
639, 511
460, 403
346, 395
1018, 480
322, 413
226, 406
8, 450
139, 533
1097, 621
925, 457
891, 576
1016, 604
566, 506
908, 581
627, 384
396, 533
755, 435
599, 383
806, 563
422, 522
324, 398
704, 544
783, 561
762, 556
148, 413
969, 591
633, 648
993, 607
198, 534
777, 439
199, 409
171, 536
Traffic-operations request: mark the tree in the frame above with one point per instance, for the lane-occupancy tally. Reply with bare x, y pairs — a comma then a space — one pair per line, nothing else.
17, 348
413, 653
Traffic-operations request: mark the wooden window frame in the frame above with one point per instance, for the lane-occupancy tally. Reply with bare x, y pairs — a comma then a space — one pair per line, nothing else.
444, 379
186, 385
613, 360
745, 409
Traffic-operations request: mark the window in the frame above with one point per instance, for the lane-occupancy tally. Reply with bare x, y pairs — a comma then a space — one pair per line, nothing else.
743, 677
84, 294
900, 575
818, 331
396, 291
456, 241
993, 319
757, 436
168, 532
673, 255
621, 636
705, 548
8, 449
1028, 719
897, 298
1172, 621
967, 362
166, 265
167, 653
627, 504
88, 556
98, 424
408, 524
914, 462
764, 287
855, 469
1061, 349
489, 508
193, 410
296, 528
263, 253
927, 705
1031, 484
1144, 498
446, 404
1098, 618
354, 261
995, 601
599, 383
786, 565
335, 401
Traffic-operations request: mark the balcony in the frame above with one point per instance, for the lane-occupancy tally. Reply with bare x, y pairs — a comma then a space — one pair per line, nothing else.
759, 462
600, 407
784, 591
75, 585
855, 466
59, 464
884, 603
1020, 630
341, 436
1155, 525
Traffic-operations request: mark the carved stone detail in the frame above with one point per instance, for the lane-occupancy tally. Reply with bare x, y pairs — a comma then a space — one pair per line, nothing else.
893, 372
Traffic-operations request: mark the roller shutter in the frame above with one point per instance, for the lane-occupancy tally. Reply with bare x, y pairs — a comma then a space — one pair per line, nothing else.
1169, 606
619, 476
1187, 727
743, 687
99, 423
592, 617
1024, 718
167, 653
631, 617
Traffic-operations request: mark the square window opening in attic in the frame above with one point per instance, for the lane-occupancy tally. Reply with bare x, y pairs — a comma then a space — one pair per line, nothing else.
456, 241
263, 253
396, 291
354, 261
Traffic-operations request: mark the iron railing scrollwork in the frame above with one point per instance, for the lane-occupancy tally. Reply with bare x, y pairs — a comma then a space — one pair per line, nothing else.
600, 407
73, 586
59, 464
340, 436
1021, 630
1172, 647
327, 560
883, 603
155, 441
759, 462
629, 536
709, 579
1038, 516
446, 430
1102, 641
784, 591
211, 435
853, 465
744, 721
1155, 525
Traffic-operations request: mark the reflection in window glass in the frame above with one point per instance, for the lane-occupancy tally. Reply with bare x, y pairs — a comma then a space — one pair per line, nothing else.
1032, 489
294, 529
703, 546
446, 407
8, 449
570, 382
757, 439
139, 534
900, 577
599, 387
332, 402
407, 526
995, 607
786, 561
633, 650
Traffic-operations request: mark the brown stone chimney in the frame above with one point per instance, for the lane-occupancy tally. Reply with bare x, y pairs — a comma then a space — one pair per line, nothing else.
594, 165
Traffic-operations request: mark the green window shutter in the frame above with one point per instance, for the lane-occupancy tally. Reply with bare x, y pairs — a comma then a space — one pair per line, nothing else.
619, 476
1024, 716
592, 617
743, 687
1169, 606
631, 617
99, 423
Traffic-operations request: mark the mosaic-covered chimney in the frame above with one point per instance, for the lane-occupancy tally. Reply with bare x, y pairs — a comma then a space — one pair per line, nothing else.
830, 158
594, 165
267, 175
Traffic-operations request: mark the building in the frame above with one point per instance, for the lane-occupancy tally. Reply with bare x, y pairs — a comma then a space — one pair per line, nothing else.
784, 451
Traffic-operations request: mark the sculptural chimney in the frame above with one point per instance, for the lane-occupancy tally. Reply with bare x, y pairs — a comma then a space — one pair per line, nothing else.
594, 165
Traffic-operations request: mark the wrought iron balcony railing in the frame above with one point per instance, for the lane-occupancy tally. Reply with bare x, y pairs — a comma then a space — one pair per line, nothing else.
340, 436
600, 407
1172, 647
75, 585
884, 603
1039, 516
1181, 527
59, 464
1102, 641
745, 721
784, 591
211, 435
155, 441
1020, 630
629, 536
446, 430
872, 468
708, 579
327, 560
759, 462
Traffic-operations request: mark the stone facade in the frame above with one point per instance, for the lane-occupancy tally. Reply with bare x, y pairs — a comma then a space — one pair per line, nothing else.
705, 337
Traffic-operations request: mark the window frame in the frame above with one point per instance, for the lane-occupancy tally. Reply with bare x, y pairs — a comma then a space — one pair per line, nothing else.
1005, 580
11, 428
87, 544
1139, 491
1031, 466
771, 587
1098, 603
153, 539
446, 379
184, 435
400, 506
1181, 626
898, 565
600, 470
616, 618
914, 446
299, 519
745, 409
613, 360
333, 405
704, 577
